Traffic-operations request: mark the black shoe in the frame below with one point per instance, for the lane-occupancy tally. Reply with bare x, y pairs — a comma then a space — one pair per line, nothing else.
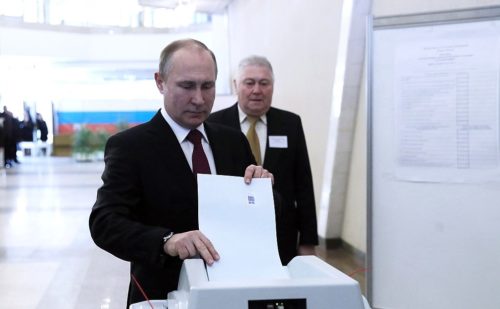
17, 161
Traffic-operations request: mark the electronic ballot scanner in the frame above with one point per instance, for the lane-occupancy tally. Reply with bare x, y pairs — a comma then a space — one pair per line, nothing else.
249, 274
311, 284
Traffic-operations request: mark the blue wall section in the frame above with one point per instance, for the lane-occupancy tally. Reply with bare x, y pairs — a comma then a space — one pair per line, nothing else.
112, 117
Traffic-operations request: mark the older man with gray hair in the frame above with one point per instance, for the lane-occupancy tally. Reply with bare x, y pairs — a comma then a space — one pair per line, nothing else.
278, 143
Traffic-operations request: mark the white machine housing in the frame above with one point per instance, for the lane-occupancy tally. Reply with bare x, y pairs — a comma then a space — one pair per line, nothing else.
312, 284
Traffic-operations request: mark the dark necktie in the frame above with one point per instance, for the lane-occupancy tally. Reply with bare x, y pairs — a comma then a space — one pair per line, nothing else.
200, 162
253, 138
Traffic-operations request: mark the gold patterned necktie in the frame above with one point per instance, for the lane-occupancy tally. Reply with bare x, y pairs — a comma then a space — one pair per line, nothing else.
253, 138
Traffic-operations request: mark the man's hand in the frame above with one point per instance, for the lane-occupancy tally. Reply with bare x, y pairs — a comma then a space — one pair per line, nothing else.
190, 244
256, 171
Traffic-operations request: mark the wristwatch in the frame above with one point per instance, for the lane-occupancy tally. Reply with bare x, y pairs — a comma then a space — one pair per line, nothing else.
167, 237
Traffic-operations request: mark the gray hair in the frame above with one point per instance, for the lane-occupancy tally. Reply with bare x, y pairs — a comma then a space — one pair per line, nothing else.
257, 61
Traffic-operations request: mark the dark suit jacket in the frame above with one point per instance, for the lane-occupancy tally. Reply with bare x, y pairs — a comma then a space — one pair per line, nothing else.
292, 178
149, 190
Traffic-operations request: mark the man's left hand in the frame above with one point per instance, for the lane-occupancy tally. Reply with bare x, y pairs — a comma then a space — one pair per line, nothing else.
256, 171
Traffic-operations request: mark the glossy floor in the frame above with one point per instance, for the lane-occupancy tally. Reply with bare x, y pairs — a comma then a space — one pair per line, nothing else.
47, 258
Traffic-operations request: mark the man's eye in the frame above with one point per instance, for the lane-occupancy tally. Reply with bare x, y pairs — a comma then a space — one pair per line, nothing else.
264, 83
187, 85
249, 82
209, 85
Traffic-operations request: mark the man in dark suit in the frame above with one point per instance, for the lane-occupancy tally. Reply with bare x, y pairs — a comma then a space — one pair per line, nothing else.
280, 134
146, 211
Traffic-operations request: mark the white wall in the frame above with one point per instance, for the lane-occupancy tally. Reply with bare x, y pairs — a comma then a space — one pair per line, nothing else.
300, 39
354, 228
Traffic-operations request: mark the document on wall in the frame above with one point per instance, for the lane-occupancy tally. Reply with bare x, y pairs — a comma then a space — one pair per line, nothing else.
447, 112
239, 220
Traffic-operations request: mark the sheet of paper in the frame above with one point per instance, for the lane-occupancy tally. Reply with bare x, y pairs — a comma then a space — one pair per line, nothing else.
239, 219
446, 104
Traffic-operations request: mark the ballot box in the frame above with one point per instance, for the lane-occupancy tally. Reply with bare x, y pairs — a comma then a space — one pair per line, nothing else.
311, 284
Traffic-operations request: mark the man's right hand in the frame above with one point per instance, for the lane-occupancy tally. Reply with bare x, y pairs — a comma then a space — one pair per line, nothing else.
190, 244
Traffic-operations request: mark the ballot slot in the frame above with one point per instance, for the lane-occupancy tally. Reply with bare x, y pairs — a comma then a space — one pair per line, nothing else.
298, 303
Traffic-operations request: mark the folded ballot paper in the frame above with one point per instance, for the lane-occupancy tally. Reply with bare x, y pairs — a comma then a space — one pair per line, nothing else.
239, 220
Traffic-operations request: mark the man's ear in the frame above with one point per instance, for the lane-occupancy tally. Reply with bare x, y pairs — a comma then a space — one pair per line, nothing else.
235, 85
159, 83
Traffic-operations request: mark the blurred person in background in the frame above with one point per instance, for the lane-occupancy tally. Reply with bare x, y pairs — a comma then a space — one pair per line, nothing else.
11, 137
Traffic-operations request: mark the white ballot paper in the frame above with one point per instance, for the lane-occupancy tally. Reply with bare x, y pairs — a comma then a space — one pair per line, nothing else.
240, 222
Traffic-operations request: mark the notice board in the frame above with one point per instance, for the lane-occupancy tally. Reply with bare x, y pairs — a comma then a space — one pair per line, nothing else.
434, 161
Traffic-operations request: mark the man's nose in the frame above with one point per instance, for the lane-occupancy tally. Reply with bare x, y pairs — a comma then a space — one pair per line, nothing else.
198, 97
256, 88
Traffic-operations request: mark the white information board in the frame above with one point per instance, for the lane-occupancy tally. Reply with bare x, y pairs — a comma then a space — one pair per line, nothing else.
434, 163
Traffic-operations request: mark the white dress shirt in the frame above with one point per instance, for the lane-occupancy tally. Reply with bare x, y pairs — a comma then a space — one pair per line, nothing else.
187, 147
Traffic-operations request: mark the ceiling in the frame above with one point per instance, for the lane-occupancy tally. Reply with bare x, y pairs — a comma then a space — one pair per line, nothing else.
205, 6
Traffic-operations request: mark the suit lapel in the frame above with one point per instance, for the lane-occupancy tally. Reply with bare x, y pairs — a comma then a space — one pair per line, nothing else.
232, 118
219, 151
274, 127
170, 152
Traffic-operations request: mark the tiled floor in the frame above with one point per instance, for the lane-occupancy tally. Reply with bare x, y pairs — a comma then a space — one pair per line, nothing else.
47, 258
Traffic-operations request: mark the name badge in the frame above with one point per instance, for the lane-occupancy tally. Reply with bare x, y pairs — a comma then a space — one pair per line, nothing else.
278, 141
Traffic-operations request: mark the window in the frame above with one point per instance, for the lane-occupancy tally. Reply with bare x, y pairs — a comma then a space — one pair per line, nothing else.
103, 13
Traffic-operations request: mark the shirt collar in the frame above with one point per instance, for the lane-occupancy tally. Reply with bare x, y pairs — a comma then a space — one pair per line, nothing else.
243, 117
179, 131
